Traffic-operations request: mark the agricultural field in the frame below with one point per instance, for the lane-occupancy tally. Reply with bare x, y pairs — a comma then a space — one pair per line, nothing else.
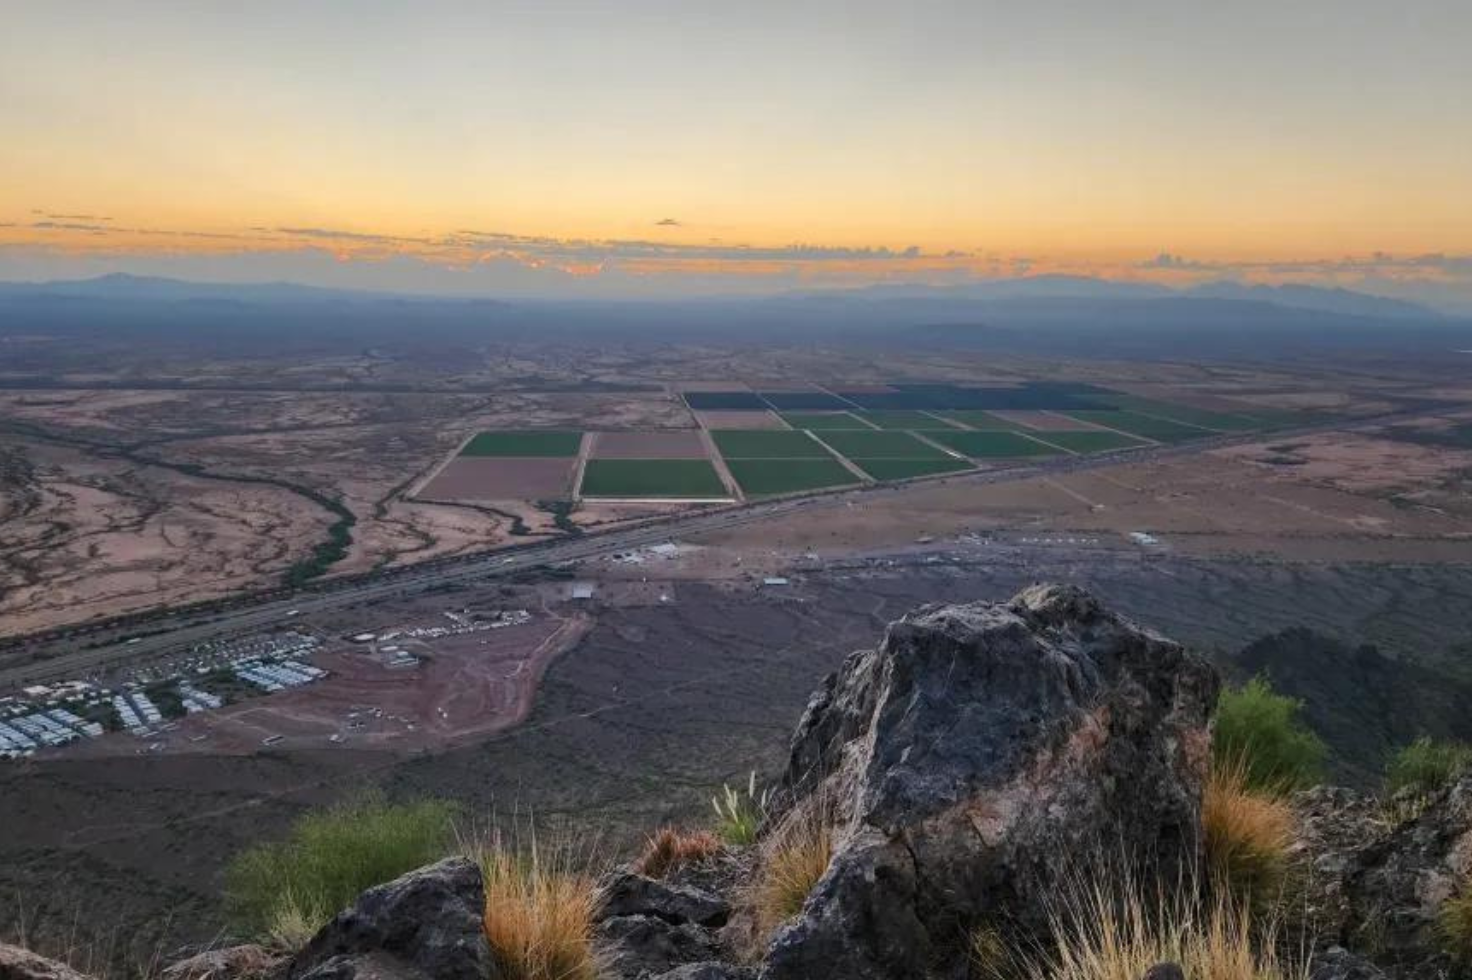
906, 469
641, 478
676, 444
881, 445
724, 401
904, 419
1091, 440
1158, 429
487, 478
825, 421
524, 443
1222, 421
984, 421
804, 401
767, 444
992, 445
767, 477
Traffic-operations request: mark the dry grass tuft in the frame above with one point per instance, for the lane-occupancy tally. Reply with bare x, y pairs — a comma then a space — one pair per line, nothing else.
1112, 928
672, 848
794, 858
1455, 925
540, 906
1248, 834
292, 925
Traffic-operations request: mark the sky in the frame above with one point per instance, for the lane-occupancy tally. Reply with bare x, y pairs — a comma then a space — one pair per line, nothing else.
649, 148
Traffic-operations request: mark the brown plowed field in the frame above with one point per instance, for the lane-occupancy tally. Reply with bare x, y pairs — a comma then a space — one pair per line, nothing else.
501, 478
685, 444
739, 420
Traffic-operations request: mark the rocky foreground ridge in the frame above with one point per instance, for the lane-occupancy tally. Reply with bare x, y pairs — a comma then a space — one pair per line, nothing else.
967, 770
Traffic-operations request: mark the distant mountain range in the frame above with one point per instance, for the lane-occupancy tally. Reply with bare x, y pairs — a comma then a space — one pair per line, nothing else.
1292, 296
1052, 315
121, 286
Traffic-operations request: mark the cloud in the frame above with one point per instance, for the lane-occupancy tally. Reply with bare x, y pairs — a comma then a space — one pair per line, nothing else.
491, 262
1166, 260
350, 236
69, 226
54, 216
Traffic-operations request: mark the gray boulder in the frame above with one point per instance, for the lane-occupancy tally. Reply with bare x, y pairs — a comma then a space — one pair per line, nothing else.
430, 923
972, 761
1338, 963
639, 946
627, 893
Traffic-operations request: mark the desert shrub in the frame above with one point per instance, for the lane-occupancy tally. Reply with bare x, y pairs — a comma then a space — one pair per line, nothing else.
794, 858
294, 886
1247, 833
671, 848
1262, 732
1111, 926
1454, 922
540, 905
1426, 766
738, 814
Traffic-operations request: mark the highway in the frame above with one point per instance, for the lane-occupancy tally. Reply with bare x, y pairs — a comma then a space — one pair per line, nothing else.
174, 633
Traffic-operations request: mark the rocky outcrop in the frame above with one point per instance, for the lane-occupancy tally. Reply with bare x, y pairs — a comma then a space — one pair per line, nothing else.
973, 761
429, 923
1384, 886
21, 964
626, 893
653, 928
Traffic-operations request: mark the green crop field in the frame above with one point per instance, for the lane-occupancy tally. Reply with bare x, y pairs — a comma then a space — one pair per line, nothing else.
652, 478
905, 419
824, 421
524, 442
1161, 430
1224, 421
1096, 441
904, 469
767, 444
992, 445
764, 477
985, 421
881, 445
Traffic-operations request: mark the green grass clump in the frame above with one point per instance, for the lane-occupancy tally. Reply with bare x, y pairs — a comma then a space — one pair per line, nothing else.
738, 814
288, 889
1261, 732
1426, 766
